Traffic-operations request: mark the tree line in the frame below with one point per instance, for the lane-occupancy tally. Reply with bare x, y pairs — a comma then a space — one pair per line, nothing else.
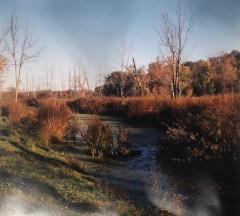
218, 74
170, 74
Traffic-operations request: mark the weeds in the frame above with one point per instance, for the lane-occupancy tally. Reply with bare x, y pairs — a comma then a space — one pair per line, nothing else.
48, 122
201, 128
102, 140
53, 120
213, 134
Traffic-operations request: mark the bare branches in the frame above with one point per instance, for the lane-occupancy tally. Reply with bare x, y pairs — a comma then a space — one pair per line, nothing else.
78, 80
19, 48
174, 35
124, 56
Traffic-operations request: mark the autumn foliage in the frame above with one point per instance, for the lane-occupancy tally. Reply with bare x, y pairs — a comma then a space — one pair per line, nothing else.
215, 75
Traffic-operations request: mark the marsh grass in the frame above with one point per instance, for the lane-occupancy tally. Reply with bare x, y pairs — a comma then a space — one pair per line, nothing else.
46, 123
212, 134
53, 121
198, 128
103, 140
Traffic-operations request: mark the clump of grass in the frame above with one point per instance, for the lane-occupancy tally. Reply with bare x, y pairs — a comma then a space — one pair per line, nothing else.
102, 140
20, 118
45, 123
121, 136
53, 120
98, 137
15, 111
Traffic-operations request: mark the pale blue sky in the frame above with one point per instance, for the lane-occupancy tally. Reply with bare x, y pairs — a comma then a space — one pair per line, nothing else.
88, 32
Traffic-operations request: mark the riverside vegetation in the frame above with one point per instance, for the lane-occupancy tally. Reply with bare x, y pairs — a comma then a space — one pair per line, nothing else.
53, 177
199, 130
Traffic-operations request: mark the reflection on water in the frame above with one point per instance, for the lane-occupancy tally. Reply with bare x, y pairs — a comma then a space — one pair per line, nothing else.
149, 182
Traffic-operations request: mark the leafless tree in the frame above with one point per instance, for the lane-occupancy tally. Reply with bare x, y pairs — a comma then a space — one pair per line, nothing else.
136, 73
78, 80
82, 81
20, 49
124, 56
174, 36
27, 85
99, 82
63, 85
74, 80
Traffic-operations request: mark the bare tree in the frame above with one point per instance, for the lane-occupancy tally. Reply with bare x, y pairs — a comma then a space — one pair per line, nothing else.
27, 85
82, 81
174, 35
63, 85
49, 79
19, 48
99, 82
124, 55
136, 73
78, 80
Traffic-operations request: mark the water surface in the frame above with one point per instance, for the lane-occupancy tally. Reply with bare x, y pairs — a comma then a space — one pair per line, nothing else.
148, 182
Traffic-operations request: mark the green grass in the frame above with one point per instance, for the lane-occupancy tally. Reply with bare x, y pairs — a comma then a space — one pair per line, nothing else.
47, 178
4, 129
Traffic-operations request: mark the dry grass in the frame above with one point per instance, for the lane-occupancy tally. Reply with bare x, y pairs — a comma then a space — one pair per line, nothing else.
48, 121
207, 127
212, 134
53, 120
97, 105
15, 111
98, 137
20, 117
103, 140
155, 110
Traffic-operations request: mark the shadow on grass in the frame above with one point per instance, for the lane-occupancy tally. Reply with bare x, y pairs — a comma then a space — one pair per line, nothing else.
52, 161
26, 184
119, 192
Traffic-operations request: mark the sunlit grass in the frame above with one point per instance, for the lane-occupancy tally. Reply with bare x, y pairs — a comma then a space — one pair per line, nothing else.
57, 185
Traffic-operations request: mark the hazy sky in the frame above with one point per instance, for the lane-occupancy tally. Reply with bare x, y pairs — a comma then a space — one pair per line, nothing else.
88, 32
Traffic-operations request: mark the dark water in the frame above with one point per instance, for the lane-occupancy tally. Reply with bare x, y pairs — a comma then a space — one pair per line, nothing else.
148, 181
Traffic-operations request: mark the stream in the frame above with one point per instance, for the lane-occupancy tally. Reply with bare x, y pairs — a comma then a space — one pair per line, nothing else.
143, 179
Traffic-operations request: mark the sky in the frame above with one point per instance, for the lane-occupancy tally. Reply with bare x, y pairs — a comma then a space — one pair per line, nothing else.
89, 33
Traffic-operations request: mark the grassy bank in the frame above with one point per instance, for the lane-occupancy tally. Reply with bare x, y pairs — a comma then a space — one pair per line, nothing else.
46, 179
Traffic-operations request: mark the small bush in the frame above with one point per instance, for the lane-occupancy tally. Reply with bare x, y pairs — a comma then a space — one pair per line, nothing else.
103, 140
53, 120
